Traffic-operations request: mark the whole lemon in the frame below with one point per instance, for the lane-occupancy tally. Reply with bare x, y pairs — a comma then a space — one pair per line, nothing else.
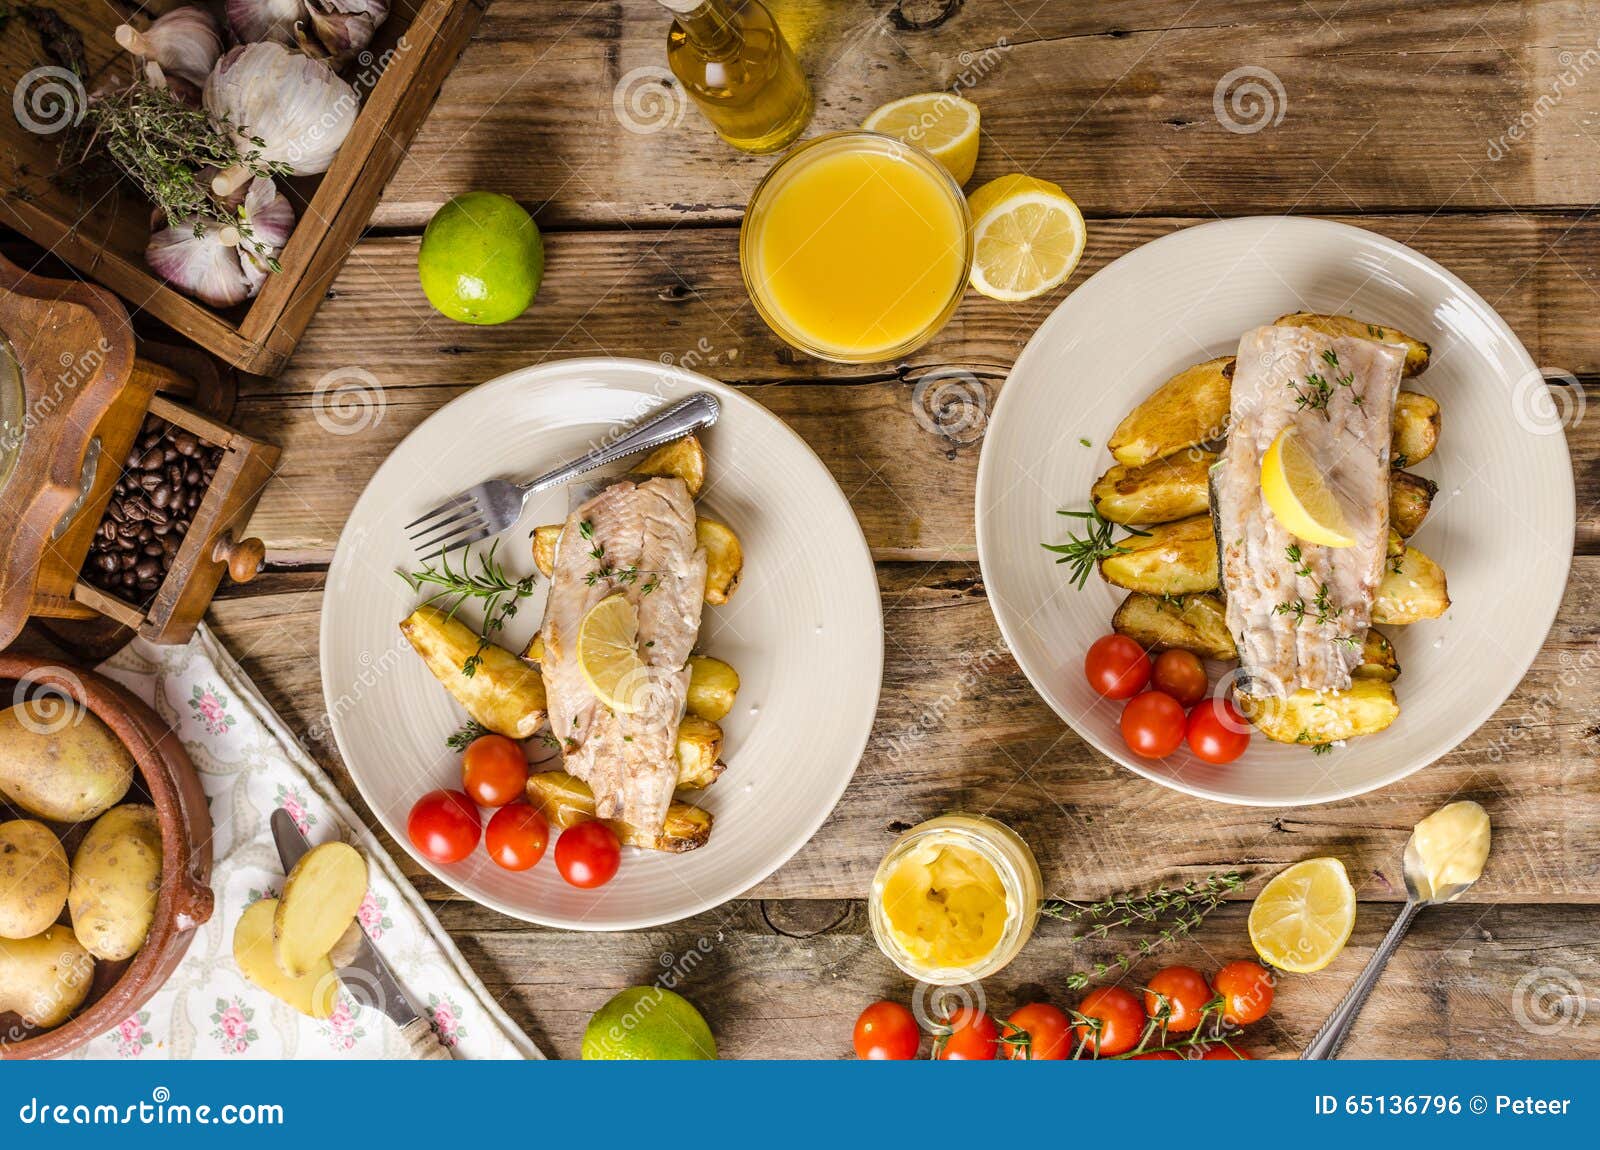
482, 259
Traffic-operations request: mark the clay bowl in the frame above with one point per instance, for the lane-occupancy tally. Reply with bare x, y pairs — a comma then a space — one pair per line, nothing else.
167, 780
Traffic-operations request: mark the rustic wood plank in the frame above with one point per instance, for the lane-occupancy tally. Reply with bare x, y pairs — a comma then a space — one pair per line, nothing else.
1377, 106
786, 980
959, 728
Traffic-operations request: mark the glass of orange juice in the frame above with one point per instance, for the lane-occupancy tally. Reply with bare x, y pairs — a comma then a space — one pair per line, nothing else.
856, 247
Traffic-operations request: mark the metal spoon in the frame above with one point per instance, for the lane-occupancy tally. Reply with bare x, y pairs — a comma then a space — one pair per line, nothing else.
1419, 893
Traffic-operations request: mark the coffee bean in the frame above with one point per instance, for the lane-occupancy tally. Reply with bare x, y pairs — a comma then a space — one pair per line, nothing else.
106, 562
161, 496
147, 569
185, 443
127, 559
191, 475
168, 453
128, 530
160, 528
151, 459
181, 528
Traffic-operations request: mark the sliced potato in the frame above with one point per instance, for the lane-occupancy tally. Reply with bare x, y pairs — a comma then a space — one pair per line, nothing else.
320, 900
566, 800
1410, 497
503, 693
1184, 623
1413, 589
1165, 489
683, 458
699, 744
544, 547
1316, 717
1417, 352
712, 687
1173, 559
724, 559
1190, 408
1416, 428
312, 994
1377, 658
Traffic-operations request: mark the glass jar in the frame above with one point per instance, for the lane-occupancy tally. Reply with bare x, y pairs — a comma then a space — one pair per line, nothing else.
984, 857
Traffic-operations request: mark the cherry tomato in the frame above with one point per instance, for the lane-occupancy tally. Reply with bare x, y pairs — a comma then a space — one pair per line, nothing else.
1152, 724
887, 1031
1176, 996
1224, 1054
494, 771
1117, 667
1182, 675
1049, 1033
1246, 988
1158, 1056
973, 1037
588, 854
444, 825
1218, 733
1119, 1021
516, 836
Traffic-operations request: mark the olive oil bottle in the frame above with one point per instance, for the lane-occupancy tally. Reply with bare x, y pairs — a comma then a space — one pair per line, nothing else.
733, 61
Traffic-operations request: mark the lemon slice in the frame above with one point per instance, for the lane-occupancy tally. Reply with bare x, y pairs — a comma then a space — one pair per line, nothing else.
941, 124
1027, 236
608, 653
1294, 489
1302, 918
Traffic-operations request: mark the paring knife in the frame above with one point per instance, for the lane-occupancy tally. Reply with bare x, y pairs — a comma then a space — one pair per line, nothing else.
368, 971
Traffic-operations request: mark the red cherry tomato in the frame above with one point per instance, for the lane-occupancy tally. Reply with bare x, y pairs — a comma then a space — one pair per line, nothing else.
588, 854
1182, 675
887, 1031
1246, 988
1176, 996
973, 1037
1152, 724
1224, 1054
516, 836
1158, 1056
1049, 1033
494, 771
1118, 1021
443, 826
1117, 667
1217, 732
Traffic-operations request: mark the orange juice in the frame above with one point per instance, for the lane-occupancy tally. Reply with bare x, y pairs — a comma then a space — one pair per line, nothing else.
856, 247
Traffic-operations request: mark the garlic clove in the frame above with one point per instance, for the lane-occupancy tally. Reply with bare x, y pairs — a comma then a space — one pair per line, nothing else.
185, 42
298, 108
340, 28
269, 217
253, 21
197, 262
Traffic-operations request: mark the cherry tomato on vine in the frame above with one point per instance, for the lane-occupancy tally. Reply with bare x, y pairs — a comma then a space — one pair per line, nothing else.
1152, 724
516, 836
1117, 1024
974, 1037
1224, 1054
1217, 732
1176, 996
1182, 675
494, 771
444, 826
1049, 1032
1246, 988
887, 1031
1116, 666
588, 854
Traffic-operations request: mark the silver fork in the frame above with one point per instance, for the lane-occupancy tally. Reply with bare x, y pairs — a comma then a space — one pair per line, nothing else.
490, 507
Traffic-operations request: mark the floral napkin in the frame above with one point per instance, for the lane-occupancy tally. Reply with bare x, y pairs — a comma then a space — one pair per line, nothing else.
250, 765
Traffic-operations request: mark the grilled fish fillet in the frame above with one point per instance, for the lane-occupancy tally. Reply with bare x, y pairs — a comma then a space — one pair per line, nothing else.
1300, 617
637, 539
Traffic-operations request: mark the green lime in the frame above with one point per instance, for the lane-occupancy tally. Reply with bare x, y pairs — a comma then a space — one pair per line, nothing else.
481, 259
648, 1023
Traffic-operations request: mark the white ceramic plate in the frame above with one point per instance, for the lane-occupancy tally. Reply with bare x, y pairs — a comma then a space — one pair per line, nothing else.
1501, 525
804, 632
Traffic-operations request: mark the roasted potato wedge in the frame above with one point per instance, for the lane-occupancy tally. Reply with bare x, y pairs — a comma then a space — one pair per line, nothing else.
1417, 352
566, 800
504, 693
684, 458
534, 651
1410, 497
1173, 559
1413, 589
1184, 623
1377, 658
712, 687
544, 547
1316, 717
724, 559
699, 744
1165, 489
1190, 408
1416, 428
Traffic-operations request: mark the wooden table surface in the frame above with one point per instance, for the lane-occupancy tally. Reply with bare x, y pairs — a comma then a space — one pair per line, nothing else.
1470, 131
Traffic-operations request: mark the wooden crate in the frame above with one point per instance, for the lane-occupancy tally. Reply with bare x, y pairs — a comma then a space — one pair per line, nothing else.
102, 231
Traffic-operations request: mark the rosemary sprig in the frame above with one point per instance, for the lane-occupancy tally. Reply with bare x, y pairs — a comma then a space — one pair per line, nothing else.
1097, 544
491, 584
469, 732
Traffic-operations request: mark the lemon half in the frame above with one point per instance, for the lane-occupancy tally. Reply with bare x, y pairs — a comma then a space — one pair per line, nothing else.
608, 653
1302, 918
1300, 499
1027, 237
940, 123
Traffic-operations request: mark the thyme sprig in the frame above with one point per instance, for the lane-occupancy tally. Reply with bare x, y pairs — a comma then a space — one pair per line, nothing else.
498, 592
1097, 543
467, 734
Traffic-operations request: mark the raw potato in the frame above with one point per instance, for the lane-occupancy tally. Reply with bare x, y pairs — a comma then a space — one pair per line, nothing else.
116, 879
312, 994
1416, 428
712, 687
544, 547
724, 559
1417, 352
320, 900
1190, 408
1173, 559
46, 977
1413, 589
34, 878
70, 775
566, 800
683, 458
504, 693
1315, 717
1410, 497
1185, 623
699, 744
1173, 487
1377, 658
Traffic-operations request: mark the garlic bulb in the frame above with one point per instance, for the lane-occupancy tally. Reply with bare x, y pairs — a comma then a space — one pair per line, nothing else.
252, 21
341, 27
185, 43
224, 264
286, 107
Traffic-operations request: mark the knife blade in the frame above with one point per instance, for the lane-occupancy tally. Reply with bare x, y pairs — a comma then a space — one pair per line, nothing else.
367, 972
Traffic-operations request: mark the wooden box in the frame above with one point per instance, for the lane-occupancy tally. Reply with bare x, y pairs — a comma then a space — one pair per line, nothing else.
103, 230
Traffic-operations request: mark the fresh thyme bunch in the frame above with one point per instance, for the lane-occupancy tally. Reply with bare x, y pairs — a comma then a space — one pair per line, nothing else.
498, 591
